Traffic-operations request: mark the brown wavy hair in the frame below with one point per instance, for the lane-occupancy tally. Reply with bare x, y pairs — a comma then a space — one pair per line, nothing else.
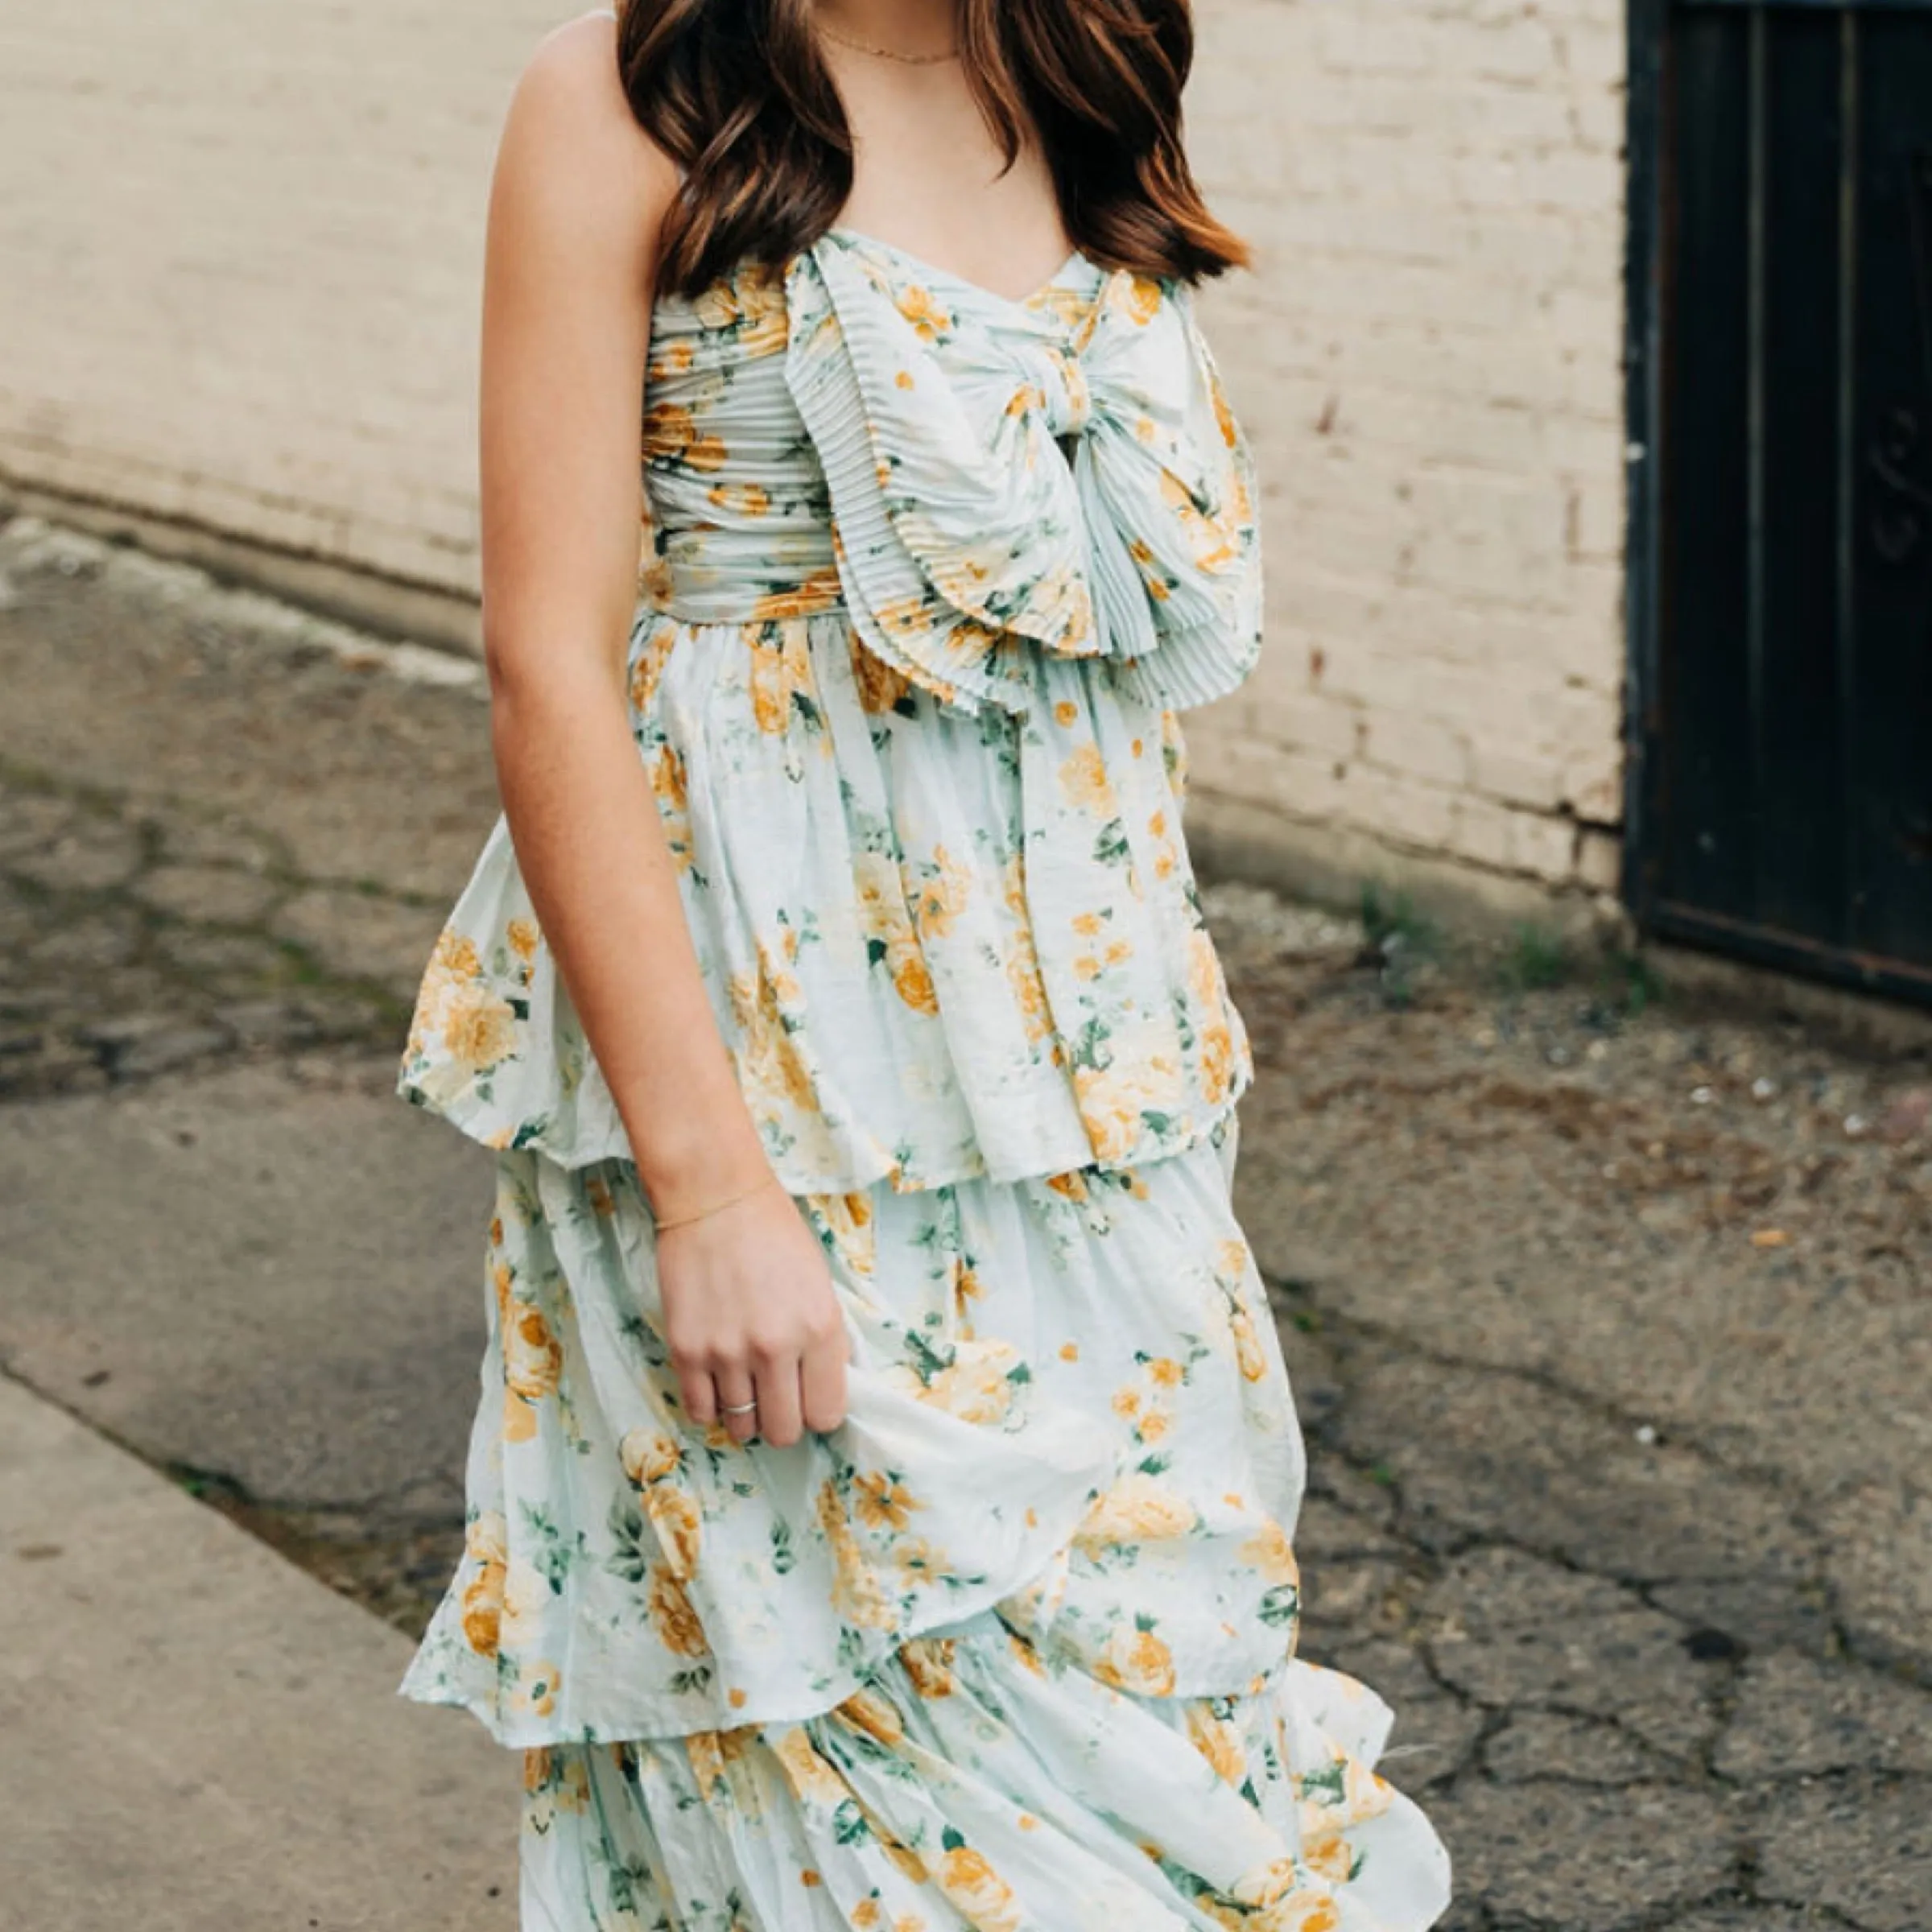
736, 92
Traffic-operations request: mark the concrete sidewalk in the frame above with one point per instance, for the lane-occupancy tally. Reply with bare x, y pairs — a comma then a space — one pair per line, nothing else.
198, 1735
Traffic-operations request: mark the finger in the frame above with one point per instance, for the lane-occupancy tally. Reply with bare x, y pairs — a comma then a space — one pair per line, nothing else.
735, 1390
778, 1418
822, 1383
700, 1394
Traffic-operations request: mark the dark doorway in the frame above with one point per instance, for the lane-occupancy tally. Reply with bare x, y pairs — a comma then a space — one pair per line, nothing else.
1780, 417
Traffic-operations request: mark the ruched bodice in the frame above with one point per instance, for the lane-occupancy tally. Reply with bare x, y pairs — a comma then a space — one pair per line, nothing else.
929, 575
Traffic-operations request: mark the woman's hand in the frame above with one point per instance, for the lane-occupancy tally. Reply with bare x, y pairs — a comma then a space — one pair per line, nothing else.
750, 1315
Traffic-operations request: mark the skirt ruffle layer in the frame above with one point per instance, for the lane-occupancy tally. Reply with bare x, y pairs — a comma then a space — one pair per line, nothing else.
971, 1784
938, 948
1028, 1615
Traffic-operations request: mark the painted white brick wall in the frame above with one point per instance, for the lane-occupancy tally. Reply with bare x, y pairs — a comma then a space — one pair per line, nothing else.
1428, 359
238, 260
238, 264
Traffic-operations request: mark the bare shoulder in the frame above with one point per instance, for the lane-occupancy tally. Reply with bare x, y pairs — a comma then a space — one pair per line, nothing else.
571, 145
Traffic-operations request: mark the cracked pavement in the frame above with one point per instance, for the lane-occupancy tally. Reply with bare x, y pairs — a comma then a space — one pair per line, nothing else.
1609, 1316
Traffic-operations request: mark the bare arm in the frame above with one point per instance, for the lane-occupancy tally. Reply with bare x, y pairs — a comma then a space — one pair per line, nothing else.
575, 202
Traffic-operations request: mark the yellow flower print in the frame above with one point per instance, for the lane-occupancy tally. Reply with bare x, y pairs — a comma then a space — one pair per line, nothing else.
770, 1063
519, 1419
1136, 1660
918, 307
1248, 1350
1084, 781
1139, 1507
655, 584
648, 1455
848, 1219
1212, 540
928, 1662
672, 1617
1307, 1910
981, 1896
966, 1289
487, 1539
883, 913
1264, 1887
883, 1501
912, 981
672, 359
939, 902
866, 1710
880, 686
807, 1770
674, 1517
479, 1027
454, 958
1269, 1552
1173, 752
524, 938
780, 669
740, 499
712, 1754
820, 591
914, 1866
750, 301
1217, 1741
915, 1557
667, 782
1142, 298
1112, 1101
526, 1596
482, 1606
1365, 1793
535, 1694
856, 1595
533, 1357
976, 1385
1091, 965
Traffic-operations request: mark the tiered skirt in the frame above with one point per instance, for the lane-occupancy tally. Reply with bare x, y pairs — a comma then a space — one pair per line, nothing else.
1012, 1648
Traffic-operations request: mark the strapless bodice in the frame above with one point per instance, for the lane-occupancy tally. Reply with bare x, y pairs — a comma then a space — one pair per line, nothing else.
928, 574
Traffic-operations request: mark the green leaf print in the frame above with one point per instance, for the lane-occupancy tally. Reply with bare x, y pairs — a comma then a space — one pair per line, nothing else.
1279, 1606
630, 1559
784, 1557
848, 1825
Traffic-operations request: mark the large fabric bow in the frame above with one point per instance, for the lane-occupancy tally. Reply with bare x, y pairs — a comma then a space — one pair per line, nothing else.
1060, 475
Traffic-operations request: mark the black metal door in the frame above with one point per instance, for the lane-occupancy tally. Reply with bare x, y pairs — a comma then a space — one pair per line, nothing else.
1781, 803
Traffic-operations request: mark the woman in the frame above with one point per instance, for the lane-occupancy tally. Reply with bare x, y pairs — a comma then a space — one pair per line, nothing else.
881, 1500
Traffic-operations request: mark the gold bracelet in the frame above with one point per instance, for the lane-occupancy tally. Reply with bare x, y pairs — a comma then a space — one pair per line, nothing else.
743, 1193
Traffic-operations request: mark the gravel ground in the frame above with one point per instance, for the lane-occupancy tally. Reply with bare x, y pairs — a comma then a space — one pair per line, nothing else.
1608, 1306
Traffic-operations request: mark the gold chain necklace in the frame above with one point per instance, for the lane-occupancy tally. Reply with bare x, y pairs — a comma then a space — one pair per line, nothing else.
887, 53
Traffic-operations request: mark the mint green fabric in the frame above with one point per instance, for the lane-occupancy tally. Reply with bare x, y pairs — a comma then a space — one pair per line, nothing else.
929, 577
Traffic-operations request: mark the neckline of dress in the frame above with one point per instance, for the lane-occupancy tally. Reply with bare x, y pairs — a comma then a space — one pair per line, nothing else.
932, 271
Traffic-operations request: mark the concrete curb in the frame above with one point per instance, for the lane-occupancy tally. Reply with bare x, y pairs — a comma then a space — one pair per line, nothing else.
197, 1734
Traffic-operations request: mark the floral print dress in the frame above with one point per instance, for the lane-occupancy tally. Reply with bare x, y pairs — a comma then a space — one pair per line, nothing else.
929, 575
